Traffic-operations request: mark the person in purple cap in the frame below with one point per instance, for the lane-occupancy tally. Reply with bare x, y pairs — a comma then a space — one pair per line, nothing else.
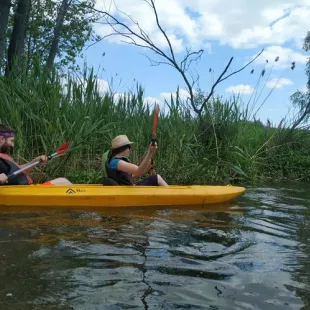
8, 165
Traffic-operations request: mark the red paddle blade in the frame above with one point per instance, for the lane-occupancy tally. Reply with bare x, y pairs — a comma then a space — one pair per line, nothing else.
155, 120
63, 148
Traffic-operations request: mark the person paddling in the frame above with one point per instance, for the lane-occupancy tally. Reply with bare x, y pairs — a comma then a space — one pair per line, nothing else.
120, 171
8, 165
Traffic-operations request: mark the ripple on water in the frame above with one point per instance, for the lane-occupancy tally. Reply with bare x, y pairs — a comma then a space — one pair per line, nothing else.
250, 255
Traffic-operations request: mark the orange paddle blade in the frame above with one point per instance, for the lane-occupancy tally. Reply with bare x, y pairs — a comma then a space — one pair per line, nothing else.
63, 148
155, 121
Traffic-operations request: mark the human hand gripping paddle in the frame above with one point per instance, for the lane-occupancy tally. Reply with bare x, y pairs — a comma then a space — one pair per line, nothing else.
60, 151
154, 138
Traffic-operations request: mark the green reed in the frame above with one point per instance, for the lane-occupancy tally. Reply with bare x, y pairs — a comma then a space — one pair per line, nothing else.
224, 147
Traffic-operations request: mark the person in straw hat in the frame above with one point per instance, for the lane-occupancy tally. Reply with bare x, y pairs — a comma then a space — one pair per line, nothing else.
119, 170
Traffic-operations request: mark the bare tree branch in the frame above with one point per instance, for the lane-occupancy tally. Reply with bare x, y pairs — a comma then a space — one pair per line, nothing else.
141, 38
214, 85
101, 39
162, 31
184, 65
157, 63
112, 21
194, 80
221, 78
142, 32
235, 72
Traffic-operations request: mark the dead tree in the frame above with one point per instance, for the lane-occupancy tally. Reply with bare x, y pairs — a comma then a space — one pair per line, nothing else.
140, 38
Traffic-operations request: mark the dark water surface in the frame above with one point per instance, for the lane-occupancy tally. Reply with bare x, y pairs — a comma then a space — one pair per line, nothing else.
253, 253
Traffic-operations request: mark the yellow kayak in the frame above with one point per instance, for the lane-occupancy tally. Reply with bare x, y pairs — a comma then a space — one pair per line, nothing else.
83, 195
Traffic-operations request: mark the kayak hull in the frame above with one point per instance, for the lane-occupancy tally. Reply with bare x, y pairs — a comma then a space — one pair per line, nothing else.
81, 195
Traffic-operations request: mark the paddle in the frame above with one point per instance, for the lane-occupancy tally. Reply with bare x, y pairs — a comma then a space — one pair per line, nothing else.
60, 151
154, 138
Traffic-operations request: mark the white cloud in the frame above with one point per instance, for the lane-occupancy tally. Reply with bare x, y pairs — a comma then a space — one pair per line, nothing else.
278, 83
286, 57
146, 100
288, 25
151, 100
162, 99
164, 96
118, 96
183, 95
239, 24
102, 86
243, 89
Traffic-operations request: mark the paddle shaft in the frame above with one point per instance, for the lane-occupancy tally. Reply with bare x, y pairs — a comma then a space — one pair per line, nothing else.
61, 150
154, 138
29, 166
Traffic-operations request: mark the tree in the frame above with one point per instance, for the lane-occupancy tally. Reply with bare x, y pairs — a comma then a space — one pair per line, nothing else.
5, 6
71, 37
306, 47
57, 31
301, 99
132, 33
16, 46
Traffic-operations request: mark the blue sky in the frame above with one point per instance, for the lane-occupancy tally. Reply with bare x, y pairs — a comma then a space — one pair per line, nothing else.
240, 31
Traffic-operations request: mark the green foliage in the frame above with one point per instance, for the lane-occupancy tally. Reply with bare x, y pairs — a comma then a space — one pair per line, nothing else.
89, 176
306, 47
76, 31
301, 99
225, 147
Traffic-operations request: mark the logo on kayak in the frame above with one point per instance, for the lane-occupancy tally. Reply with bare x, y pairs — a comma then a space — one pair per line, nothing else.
77, 190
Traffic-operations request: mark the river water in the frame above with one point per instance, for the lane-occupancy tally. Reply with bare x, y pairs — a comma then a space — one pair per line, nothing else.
253, 253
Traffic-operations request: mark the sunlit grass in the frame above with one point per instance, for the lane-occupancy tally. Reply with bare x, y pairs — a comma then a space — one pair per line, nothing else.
225, 147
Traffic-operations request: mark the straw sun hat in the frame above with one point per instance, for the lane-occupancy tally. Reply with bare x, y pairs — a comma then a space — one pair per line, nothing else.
120, 141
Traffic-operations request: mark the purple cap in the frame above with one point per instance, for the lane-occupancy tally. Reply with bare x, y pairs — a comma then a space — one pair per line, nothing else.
7, 134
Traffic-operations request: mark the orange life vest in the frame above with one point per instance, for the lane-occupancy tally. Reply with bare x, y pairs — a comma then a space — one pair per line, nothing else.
21, 179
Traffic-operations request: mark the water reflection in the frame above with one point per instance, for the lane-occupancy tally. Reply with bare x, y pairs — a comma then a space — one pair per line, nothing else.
253, 254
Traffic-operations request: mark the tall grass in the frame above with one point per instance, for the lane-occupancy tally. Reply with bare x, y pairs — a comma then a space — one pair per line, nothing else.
226, 147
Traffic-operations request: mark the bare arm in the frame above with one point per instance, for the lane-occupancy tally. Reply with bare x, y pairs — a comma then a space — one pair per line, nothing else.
142, 168
42, 158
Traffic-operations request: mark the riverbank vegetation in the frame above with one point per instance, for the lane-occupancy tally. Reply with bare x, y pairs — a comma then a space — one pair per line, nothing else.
226, 146
203, 140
